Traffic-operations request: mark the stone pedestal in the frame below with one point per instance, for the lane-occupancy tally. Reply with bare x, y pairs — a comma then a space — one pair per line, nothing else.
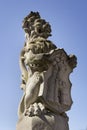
43, 122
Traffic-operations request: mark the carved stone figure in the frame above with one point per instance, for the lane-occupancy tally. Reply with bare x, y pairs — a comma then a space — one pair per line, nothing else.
45, 78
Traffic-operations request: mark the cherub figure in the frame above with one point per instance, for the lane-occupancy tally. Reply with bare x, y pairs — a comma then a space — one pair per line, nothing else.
32, 60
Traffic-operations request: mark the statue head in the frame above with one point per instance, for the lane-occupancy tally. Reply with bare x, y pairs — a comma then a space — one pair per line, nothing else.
34, 26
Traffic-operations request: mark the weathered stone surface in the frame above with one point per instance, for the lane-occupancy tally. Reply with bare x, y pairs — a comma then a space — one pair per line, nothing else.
43, 122
45, 79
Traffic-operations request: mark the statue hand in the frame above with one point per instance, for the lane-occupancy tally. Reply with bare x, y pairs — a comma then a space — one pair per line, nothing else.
36, 109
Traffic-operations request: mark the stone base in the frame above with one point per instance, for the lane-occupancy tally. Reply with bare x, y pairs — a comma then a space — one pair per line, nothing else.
43, 122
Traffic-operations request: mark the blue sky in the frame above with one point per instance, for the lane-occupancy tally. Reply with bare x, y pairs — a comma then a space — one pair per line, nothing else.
68, 19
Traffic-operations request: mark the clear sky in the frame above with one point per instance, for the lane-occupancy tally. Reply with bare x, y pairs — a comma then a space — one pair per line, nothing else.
68, 19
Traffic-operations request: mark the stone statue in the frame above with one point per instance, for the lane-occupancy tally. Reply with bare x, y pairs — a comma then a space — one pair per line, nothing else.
45, 77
